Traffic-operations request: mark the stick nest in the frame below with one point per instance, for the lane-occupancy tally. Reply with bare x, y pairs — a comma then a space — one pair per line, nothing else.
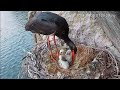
90, 63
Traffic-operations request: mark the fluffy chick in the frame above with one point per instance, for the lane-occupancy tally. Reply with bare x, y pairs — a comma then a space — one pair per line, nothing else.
62, 60
68, 56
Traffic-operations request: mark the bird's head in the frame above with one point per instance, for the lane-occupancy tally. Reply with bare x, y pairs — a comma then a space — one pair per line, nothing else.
70, 44
68, 52
29, 26
61, 52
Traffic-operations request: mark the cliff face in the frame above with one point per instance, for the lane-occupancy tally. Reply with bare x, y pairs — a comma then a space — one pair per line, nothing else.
94, 29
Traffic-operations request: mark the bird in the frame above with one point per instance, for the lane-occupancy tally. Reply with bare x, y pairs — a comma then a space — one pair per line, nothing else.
68, 55
62, 52
51, 38
63, 63
48, 23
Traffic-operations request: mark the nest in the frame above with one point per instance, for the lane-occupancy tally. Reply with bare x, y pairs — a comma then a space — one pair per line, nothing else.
90, 63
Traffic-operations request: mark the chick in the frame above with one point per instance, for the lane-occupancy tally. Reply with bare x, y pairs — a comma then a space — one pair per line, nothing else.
68, 55
62, 51
62, 60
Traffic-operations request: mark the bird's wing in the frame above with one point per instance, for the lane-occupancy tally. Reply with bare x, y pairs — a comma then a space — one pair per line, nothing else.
68, 58
64, 59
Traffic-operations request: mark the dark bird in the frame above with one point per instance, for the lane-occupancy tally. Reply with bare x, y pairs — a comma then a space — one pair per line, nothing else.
48, 23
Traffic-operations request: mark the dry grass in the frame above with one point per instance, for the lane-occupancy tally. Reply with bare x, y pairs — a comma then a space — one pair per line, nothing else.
106, 66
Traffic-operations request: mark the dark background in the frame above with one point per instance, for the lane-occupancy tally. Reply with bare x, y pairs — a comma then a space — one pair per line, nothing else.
29, 5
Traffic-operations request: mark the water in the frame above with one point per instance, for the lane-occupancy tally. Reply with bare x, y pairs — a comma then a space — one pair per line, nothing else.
14, 42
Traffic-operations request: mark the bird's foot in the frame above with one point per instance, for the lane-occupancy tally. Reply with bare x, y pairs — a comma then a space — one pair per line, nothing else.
57, 54
52, 58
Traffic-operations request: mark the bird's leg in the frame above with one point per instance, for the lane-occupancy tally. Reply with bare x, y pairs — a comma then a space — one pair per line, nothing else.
51, 56
56, 45
73, 57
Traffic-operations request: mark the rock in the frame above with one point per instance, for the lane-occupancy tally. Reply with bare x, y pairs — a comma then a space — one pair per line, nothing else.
59, 74
68, 55
31, 14
91, 30
97, 76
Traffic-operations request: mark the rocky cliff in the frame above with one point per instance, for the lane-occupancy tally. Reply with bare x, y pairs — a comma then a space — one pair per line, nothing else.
94, 29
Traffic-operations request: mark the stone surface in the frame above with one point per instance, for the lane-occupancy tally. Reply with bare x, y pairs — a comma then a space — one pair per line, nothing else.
94, 29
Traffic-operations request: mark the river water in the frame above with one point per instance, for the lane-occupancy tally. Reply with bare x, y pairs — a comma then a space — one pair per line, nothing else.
14, 44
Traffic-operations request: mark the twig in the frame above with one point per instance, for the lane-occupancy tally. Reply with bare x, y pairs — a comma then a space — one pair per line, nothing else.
113, 58
98, 55
117, 75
